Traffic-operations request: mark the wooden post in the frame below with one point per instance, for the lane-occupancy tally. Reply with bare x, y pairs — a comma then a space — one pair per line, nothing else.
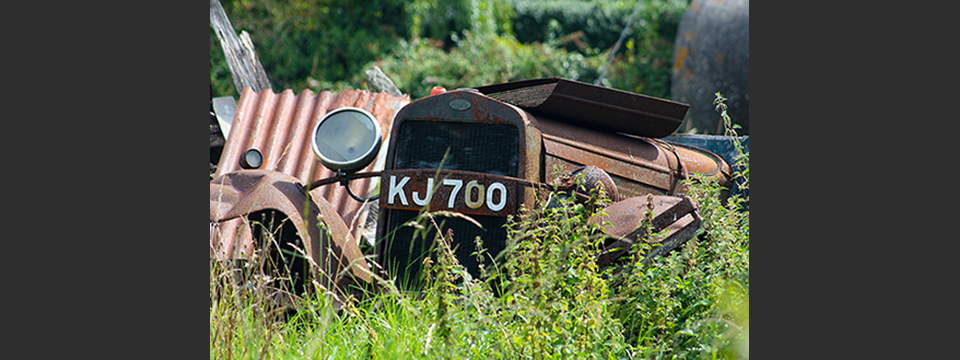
381, 82
241, 58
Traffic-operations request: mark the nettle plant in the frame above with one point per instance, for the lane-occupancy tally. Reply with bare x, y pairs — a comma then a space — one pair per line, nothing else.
695, 302
543, 296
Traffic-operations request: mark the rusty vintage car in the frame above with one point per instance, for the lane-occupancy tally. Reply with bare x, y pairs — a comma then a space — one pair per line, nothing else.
481, 152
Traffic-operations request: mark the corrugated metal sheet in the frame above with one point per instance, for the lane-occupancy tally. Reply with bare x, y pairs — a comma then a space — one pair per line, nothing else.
279, 126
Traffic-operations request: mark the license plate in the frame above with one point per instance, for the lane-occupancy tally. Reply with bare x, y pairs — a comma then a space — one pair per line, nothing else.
460, 191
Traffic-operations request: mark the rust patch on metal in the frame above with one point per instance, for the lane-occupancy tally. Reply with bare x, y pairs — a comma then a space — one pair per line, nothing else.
334, 253
658, 178
641, 164
621, 221
592, 177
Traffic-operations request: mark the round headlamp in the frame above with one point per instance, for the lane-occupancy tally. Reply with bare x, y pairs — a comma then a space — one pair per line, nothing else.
346, 139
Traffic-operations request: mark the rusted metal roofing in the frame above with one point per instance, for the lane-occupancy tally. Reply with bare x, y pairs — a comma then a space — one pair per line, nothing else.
279, 126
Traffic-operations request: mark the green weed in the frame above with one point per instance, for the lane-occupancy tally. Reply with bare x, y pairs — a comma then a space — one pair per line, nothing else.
543, 298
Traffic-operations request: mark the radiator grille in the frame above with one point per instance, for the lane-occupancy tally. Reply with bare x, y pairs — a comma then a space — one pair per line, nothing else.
404, 255
487, 148
479, 147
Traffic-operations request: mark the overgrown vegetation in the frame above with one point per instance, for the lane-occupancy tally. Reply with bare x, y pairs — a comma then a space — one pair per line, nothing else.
310, 43
643, 63
479, 59
546, 299
326, 44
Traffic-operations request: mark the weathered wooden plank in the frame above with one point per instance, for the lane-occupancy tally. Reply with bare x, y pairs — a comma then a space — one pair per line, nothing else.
241, 58
381, 82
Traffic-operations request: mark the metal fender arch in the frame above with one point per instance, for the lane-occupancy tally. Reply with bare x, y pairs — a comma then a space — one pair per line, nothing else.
336, 259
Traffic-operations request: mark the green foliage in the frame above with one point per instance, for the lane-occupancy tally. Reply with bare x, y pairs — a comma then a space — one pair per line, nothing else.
311, 43
741, 170
554, 39
555, 298
480, 59
445, 20
576, 25
646, 64
326, 44
546, 299
483, 52
691, 303
644, 61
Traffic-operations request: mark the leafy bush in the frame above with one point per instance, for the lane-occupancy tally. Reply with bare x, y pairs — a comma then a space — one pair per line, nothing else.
326, 44
646, 64
693, 301
480, 59
583, 25
548, 299
445, 20
644, 60
311, 43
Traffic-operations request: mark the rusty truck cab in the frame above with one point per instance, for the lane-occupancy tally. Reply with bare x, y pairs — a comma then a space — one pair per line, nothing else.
475, 156
466, 152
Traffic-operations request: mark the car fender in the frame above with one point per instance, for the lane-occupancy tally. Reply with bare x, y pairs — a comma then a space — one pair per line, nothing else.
335, 257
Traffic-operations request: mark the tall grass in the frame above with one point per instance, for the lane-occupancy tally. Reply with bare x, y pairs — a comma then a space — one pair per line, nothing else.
544, 298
